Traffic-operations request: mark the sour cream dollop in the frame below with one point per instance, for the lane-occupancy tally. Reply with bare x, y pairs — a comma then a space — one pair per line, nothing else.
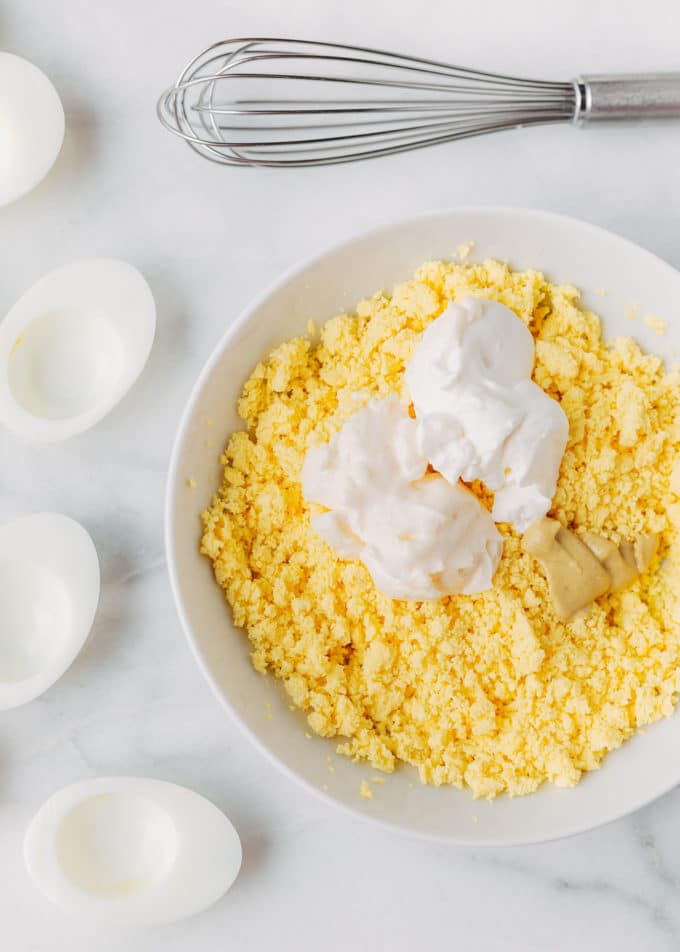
419, 536
479, 414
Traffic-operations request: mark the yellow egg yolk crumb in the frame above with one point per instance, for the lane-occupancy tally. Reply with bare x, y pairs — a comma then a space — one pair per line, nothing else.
488, 691
656, 324
365, 791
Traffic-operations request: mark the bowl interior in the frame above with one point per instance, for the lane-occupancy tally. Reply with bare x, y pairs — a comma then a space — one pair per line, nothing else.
567, 251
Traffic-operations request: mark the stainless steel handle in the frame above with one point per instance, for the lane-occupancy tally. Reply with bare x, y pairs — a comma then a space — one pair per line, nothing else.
618, 96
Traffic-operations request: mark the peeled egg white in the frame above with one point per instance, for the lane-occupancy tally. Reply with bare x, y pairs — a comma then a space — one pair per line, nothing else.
72, 347
49, 589
31, 126
130, 850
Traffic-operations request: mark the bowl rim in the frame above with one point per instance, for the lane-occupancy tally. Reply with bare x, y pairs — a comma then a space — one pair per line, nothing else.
173, 484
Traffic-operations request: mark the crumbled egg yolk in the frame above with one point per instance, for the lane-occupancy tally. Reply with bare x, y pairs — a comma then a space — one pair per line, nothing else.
656, 324
464, 250
365, 791
488, 691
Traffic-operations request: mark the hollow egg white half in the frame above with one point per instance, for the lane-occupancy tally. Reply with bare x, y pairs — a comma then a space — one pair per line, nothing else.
72, 346
31, 126
49, 590
131, 851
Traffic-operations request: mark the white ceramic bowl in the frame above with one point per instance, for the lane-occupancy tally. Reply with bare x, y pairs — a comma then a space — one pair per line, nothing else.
568, 251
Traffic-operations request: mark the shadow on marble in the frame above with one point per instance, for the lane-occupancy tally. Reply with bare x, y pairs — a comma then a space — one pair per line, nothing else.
171, 339
80, 148
114, 612
78, 155
256, 849
148, 407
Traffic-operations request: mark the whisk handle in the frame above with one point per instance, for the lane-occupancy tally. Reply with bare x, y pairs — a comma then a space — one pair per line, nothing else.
646, 96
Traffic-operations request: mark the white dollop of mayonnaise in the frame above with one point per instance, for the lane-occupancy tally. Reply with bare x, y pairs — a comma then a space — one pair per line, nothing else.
480, 416
420, 537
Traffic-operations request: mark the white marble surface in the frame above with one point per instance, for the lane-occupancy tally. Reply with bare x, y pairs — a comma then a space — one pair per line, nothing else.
208, 239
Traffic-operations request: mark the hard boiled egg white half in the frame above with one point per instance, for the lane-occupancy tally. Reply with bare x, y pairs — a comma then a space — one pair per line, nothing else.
130, 850
49, 589
31, 126
72, 347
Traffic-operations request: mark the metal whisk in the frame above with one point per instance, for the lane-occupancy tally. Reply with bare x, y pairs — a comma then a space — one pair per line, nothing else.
274, 102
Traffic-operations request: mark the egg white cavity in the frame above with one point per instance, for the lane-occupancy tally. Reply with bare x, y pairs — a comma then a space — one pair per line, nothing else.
116, 844
72, 347
131, 850
49, 580
65, 364
31, 126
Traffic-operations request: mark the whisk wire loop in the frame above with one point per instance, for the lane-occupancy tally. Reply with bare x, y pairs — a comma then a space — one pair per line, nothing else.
274, 102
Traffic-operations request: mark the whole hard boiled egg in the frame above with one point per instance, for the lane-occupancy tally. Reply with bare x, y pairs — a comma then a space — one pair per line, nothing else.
49, 589
31, 126
130, 850
72, 347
